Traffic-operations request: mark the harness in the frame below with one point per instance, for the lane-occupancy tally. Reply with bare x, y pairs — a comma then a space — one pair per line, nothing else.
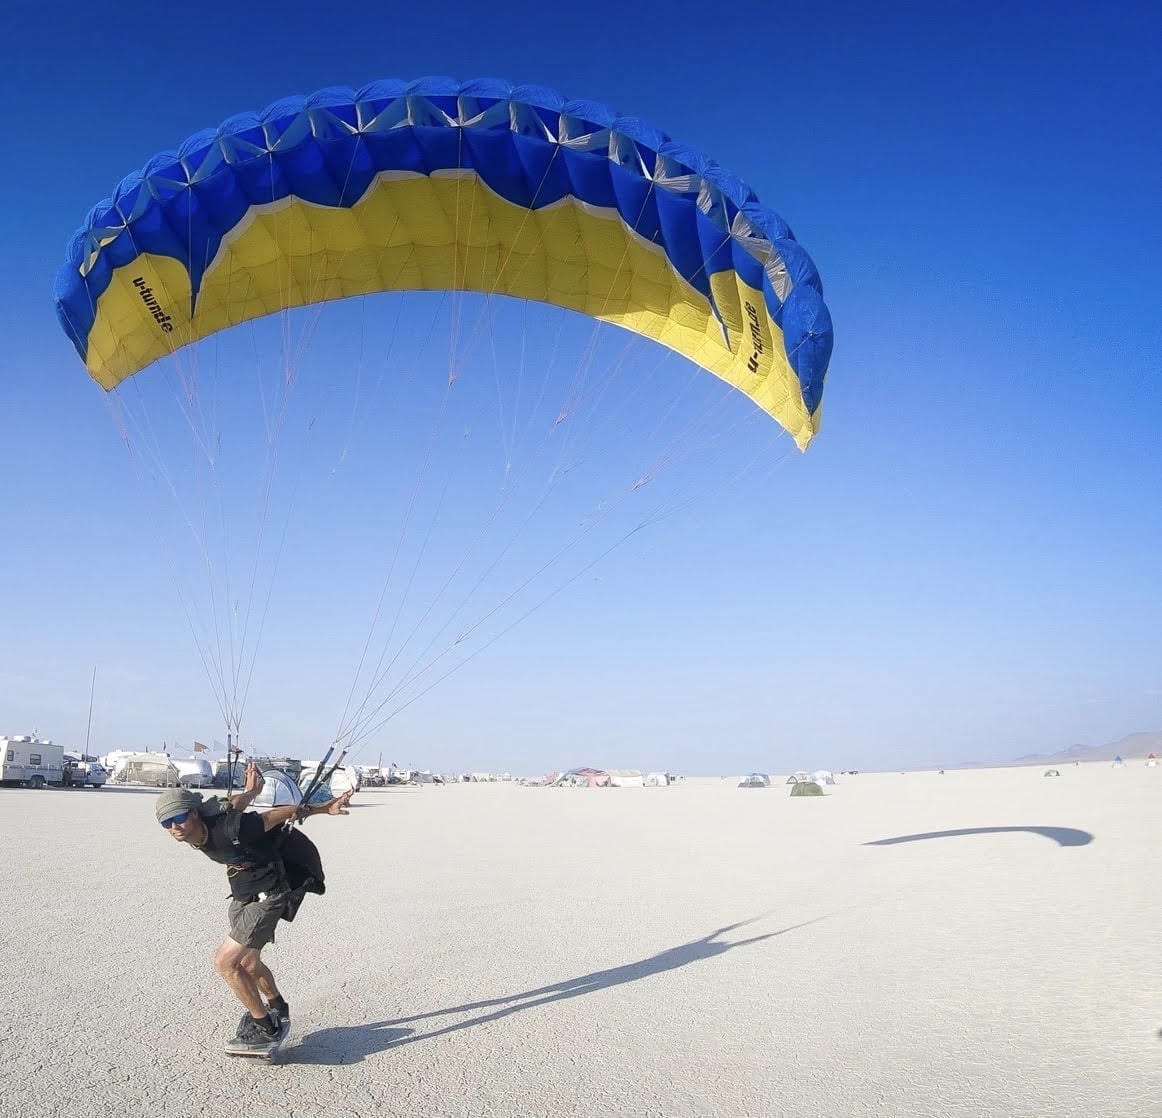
254, 867
280, 862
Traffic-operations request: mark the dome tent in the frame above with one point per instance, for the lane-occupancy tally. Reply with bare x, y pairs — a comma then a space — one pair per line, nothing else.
806, 788
278, 790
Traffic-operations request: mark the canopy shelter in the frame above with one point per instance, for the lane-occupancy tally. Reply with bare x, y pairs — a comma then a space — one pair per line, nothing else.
154, 770
583, 778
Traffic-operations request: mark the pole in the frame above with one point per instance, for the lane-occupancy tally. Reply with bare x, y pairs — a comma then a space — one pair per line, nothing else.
89, 727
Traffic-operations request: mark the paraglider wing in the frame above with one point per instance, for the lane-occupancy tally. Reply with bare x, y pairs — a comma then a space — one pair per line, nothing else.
438, 184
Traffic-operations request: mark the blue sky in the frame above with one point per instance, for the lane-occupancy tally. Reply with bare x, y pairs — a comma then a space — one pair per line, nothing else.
964, 564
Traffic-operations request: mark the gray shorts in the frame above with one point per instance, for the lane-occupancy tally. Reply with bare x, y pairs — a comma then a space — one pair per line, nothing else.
252, 923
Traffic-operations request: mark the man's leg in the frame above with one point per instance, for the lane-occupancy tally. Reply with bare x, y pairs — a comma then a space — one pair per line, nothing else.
260, 974
231, 962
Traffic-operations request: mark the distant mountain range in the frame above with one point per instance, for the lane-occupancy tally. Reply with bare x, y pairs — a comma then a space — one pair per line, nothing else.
1132, 745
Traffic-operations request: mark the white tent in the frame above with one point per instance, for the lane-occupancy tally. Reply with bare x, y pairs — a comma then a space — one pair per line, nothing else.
625, 778
155, 770
755, 780
343, 779
823, 776
278, 790
656, 780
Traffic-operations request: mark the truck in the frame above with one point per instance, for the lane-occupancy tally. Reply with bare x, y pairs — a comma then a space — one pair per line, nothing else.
90, 771
31, 762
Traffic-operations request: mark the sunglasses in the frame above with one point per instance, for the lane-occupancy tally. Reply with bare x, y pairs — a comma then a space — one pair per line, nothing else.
176, 819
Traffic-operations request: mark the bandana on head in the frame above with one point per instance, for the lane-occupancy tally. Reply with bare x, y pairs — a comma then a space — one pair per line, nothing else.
173, 801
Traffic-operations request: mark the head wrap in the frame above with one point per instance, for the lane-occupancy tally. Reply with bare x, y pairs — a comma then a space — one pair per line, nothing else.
173, 801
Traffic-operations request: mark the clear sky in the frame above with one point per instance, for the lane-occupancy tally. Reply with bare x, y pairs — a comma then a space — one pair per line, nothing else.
963, 566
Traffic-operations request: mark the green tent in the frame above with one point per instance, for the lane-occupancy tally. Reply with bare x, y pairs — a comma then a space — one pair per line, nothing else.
806, 788
1052, 772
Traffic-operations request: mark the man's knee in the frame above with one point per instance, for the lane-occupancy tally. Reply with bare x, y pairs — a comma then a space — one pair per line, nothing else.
252, 963
232, 957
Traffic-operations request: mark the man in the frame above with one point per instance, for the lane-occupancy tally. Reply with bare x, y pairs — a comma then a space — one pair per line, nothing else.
269, 867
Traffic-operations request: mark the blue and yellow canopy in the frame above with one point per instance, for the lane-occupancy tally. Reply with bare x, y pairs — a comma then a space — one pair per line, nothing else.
438, 184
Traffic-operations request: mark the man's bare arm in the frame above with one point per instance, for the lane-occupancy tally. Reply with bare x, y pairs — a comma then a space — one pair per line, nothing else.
277, 816
254, 784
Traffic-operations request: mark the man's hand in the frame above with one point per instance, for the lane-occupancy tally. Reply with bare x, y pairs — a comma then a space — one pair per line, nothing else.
240, 801
254, 780
338, 806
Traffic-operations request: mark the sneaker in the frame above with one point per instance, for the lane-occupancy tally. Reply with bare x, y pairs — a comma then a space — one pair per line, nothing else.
282, 1018
257, 1036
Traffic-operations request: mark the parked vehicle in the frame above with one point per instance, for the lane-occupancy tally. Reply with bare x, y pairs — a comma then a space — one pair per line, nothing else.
35, 763
193, 772
87, 771
96, 775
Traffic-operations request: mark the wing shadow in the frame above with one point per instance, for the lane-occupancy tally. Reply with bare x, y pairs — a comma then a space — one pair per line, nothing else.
1063, 836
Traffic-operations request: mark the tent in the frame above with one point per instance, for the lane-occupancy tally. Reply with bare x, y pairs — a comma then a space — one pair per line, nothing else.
755, 780
155, 770
806, 788
582, 778
656, 780
823, 776
626, 778
795, 778
278, 790
1051, 772
343, 779
1151, 762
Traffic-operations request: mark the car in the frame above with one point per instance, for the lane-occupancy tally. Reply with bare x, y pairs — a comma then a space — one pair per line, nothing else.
96, 774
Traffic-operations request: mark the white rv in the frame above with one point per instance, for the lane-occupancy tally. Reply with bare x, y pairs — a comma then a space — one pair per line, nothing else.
194, 772
33, 762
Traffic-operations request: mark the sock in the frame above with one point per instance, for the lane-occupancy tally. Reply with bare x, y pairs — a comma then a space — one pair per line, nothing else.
279, 1005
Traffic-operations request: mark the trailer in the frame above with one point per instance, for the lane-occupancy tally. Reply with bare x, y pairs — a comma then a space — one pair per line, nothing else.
30, 762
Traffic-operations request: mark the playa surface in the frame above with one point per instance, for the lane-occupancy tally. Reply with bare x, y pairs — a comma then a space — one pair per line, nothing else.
693, 950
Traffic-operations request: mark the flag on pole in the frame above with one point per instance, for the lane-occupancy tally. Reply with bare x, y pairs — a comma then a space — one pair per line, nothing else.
200, 748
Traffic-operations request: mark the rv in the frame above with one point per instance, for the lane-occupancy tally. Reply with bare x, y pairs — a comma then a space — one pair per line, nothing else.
194, 772
33, 763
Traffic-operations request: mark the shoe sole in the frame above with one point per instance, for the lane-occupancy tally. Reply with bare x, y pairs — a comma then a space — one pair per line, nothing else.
252, 1054
264, 1053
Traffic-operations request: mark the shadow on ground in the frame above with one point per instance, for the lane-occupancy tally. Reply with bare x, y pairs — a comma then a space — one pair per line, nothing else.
343, 1044
1063, 836
351, 1044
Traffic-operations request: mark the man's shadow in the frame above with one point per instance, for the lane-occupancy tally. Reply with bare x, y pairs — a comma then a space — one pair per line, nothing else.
349, 1044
